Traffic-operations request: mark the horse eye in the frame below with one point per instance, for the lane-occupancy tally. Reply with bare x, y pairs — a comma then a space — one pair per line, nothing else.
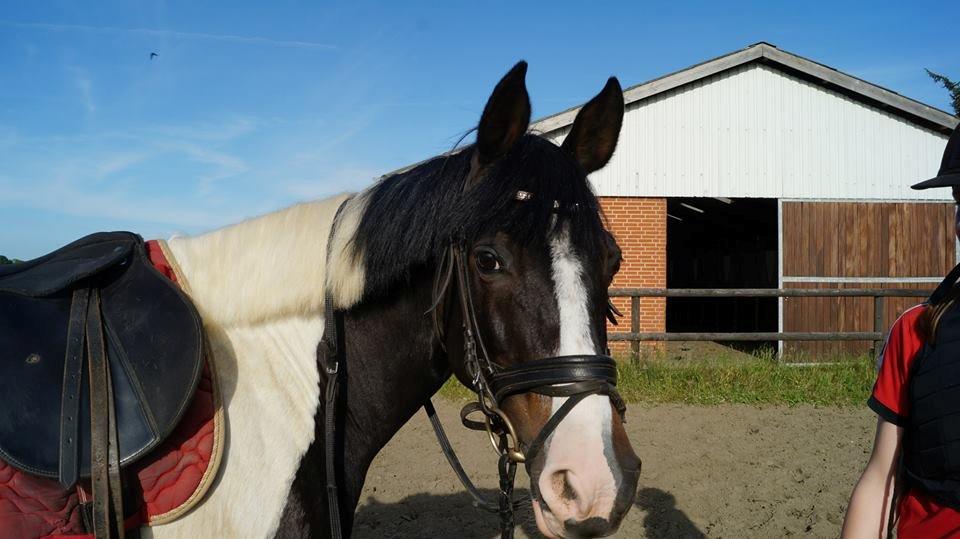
488, 261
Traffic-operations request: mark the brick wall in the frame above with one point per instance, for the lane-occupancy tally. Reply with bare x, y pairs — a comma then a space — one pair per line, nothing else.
640, 226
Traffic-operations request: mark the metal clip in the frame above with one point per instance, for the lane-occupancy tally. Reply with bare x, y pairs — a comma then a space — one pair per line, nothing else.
329, 353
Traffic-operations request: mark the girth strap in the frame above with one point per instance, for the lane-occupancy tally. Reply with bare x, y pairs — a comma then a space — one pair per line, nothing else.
113, 463
104, 453
70, 395
85, 327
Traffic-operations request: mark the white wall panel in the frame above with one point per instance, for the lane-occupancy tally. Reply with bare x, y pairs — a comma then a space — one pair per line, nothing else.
754, 131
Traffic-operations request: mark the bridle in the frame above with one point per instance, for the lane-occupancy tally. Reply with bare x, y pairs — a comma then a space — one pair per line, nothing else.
574, 377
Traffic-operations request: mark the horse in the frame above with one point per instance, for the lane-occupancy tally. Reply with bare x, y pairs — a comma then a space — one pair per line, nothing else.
515, 215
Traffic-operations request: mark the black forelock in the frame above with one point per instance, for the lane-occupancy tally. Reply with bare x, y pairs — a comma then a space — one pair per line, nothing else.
411, 217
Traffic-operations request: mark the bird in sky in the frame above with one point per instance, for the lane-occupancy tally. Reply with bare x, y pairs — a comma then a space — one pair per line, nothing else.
153, 55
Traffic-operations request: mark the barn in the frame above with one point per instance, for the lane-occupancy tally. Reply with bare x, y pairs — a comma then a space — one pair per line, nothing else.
764, 169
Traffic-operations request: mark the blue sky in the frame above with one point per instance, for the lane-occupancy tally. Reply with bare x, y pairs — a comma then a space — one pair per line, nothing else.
251, 106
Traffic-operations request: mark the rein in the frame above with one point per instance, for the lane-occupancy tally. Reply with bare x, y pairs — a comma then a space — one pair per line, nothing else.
574, 377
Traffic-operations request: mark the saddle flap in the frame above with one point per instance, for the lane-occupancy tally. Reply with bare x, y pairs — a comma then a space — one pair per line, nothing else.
57, 271
154, 346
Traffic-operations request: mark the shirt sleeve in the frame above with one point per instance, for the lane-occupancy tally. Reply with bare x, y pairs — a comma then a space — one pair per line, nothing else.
890, 397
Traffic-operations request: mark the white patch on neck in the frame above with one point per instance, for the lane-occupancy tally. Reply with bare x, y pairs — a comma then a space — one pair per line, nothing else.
274, 266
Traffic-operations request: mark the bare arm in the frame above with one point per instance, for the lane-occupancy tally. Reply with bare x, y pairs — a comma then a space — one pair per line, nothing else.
870, 503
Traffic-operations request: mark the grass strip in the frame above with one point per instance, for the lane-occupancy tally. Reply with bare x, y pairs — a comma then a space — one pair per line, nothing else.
763, 381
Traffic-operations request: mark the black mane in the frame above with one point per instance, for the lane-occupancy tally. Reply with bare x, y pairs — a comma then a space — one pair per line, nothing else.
413, 216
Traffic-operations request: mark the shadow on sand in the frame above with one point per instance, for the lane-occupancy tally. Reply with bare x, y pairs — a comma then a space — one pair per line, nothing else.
453, 515
437, 515
663, 518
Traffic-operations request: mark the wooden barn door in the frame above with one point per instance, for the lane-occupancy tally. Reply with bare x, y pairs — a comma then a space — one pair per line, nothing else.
858, 245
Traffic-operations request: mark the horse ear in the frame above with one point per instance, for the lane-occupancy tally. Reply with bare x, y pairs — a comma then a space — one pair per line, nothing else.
595, 131
506, 116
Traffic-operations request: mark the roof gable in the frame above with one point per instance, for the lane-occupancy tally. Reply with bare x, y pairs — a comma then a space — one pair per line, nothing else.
769, 55
756, 131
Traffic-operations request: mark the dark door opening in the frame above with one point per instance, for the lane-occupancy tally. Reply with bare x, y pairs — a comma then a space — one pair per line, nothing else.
722, 243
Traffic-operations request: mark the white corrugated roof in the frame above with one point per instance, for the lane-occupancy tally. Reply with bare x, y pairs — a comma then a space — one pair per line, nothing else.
755, 131
765, 53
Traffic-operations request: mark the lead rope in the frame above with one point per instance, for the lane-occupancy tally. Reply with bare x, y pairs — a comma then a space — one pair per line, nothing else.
508, 473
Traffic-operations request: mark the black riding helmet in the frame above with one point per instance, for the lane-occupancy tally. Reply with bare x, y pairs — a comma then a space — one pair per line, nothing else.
949, 174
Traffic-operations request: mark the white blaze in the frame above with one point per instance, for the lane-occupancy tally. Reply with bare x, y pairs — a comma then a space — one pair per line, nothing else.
571, 298
577, 445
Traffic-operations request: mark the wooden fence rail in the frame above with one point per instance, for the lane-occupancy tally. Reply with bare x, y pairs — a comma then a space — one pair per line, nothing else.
879, 295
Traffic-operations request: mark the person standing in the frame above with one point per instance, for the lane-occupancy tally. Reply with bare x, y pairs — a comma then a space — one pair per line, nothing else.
912, 480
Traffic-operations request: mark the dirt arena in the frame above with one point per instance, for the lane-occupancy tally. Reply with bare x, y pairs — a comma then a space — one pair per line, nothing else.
725, 471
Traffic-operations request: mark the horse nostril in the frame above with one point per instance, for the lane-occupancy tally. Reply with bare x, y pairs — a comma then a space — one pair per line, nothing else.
591, 527
562, 486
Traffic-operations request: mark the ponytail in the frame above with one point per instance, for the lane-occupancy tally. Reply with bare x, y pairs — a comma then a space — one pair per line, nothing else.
929, 320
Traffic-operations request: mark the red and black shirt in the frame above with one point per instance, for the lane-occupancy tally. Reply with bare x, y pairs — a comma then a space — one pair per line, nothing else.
919, 515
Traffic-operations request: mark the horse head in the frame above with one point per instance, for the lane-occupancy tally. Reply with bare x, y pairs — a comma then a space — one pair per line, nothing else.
533, 263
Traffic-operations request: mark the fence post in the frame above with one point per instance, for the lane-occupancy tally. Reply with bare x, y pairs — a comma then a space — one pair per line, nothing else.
878, 322
635, 325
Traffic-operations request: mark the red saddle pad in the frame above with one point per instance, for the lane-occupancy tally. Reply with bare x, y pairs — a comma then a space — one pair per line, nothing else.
172, 478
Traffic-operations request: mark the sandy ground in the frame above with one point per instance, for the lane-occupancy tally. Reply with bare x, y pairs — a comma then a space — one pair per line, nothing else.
725, 471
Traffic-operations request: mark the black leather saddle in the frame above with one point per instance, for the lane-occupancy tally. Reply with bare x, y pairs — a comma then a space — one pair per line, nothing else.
100, 355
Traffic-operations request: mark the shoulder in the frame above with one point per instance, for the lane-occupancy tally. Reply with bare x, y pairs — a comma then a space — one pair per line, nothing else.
908, 320
905, 333
890, 396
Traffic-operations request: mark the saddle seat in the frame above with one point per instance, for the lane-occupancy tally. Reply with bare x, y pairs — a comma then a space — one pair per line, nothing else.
60, 269
98, 350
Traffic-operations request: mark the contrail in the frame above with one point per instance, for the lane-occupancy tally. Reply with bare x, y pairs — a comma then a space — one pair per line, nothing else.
249, 40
